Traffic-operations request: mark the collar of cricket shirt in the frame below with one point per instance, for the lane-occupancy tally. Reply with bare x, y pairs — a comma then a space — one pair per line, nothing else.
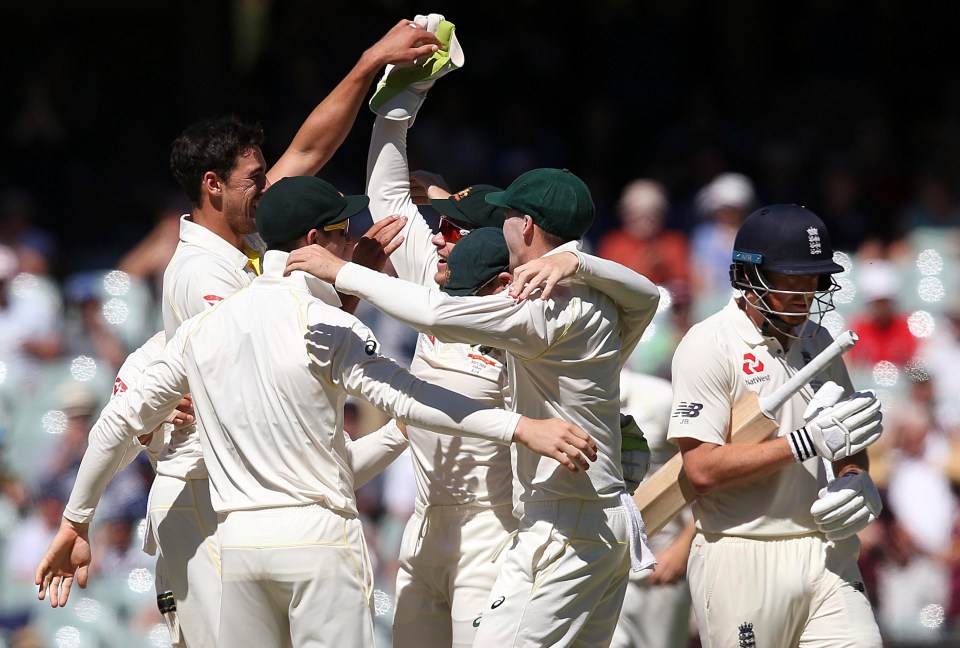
743, 326
275, 262
203, 238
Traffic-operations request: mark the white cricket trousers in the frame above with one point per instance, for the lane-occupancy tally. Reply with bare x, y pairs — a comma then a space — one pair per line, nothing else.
798, 591
446, 571
183, 525
295, 577
563, 579
654, 616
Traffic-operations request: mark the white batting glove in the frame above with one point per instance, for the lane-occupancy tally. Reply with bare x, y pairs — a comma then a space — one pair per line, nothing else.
634, 453
837, 430
847, 505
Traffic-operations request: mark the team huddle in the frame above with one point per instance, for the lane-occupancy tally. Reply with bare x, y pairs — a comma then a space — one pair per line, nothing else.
525, 531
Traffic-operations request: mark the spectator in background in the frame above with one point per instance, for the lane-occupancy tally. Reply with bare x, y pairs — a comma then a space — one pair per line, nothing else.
940, 354
149, 258
29, 320
881, 327
723, 204
924, 509
86, 330
641, 243
28, 543
63, 458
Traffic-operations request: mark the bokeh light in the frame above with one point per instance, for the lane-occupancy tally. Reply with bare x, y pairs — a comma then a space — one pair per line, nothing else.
666, 299
67, 637
88, 609
116, 311
848, 290
83, 368
54, 422
885, 373
833, 322
931, 290
116, 283
930, 262
381, 603
921, 324
842, 258
932, 616
140, 580
649, 333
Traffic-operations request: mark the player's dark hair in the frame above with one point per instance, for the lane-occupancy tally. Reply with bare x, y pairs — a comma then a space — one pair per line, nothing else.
211, 145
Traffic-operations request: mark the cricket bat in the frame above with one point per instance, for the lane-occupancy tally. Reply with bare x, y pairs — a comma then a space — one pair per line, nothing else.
664, 494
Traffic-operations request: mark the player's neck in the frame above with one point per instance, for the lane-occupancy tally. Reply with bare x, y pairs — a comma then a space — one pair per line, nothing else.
215, 221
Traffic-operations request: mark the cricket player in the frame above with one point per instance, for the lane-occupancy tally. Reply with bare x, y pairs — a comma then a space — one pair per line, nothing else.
656, 607
269, 370
774, 561
464, 504
223, 172
563, 579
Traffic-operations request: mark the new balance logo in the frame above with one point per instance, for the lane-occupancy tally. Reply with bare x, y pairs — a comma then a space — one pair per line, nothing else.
687, 410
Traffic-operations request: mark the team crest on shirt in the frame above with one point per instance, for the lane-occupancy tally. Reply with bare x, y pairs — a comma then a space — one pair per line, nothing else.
753, 367
119, 386
747, 638
212, 300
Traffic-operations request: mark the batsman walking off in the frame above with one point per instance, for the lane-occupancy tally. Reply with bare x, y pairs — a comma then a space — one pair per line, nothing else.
774, 561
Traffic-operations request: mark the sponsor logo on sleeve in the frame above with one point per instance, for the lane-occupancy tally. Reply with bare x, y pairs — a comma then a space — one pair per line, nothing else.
370, 348
687, 411
212, 300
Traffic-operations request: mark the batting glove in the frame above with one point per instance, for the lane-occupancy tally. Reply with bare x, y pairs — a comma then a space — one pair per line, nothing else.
847, 505
634, 453
837, 430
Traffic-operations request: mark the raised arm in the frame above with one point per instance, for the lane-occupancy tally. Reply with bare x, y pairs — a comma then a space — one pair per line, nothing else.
388, 185
328, 125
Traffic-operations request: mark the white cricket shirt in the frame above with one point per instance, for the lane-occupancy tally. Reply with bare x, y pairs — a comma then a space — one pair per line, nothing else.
718, 362
564, 355
204, 270
448, 470
269, 370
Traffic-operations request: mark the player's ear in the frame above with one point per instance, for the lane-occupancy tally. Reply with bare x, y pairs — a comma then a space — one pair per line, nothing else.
313, 236
212, 184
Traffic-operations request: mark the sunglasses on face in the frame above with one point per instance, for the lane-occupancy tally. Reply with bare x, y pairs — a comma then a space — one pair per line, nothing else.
451, 232
337, 226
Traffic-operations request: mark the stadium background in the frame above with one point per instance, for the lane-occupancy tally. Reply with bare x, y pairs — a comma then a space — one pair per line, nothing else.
800, 99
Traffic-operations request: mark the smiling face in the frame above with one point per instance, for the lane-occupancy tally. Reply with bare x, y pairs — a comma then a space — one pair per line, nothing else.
242, 189
444, 248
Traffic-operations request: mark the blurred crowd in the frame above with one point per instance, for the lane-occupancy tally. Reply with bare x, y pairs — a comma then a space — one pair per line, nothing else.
64, 339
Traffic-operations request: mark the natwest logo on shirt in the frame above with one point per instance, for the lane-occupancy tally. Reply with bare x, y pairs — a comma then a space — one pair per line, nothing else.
119, 386
753, 367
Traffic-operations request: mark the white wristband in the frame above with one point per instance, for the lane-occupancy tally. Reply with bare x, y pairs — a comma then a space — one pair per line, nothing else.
801, 445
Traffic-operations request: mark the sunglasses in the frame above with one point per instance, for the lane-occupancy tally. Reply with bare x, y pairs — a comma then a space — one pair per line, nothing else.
342, 225
451, 232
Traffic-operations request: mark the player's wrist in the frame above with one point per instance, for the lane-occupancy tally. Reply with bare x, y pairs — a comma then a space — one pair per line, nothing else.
801, 445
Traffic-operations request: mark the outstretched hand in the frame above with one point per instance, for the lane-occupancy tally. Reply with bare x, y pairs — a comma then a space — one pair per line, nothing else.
546, 271
379, 242
67, 557
315, 260
404, 43
557, 439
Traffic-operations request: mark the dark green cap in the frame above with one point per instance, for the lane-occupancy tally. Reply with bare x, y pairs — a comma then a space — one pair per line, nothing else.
293, 206
469, 210
557, 201
476, 259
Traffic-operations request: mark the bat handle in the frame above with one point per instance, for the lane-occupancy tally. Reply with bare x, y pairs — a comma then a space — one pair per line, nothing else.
770, 403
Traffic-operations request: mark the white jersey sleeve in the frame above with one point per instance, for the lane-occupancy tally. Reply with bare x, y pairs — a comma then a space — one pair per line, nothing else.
370, 454
388, 185
636, 296
130, 373
199, 284
142, 407
494, 320
349, 357
702, 390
